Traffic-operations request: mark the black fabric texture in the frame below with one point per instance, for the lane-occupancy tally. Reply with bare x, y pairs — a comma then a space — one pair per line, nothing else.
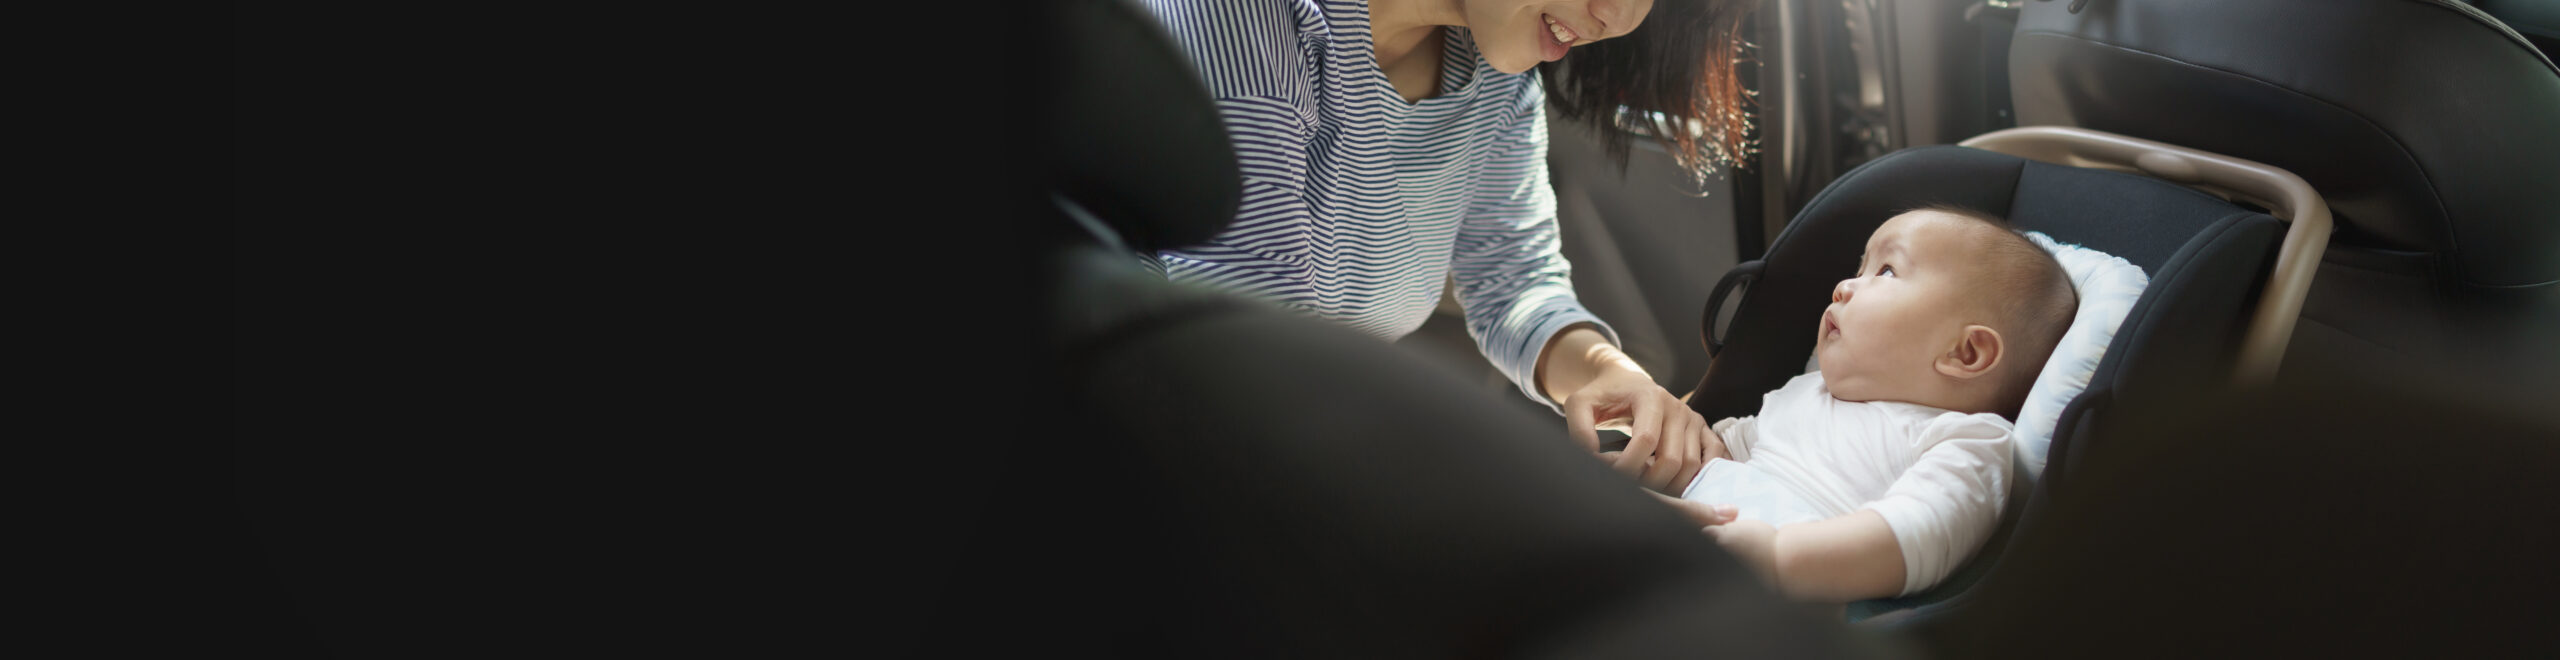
2379, 104
2392, 514
1129, 132
1241, 480
2182, 337
2427, 125
2143, 220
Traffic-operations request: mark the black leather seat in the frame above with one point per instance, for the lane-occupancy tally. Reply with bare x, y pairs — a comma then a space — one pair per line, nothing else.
2319, 520
2432, 130
1220, 477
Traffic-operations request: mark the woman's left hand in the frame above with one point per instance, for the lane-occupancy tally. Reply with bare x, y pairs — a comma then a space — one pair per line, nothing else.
1664, 444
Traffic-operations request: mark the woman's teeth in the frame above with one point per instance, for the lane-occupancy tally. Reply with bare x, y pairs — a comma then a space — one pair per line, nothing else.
1564, 35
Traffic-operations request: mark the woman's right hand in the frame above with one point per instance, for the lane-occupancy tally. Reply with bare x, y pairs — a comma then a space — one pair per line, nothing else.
1708, 443
1662, 449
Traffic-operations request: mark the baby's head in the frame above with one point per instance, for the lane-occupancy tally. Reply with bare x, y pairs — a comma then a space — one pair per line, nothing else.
1950, 308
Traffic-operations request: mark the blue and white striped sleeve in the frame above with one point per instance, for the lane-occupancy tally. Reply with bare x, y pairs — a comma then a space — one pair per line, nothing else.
1512, 278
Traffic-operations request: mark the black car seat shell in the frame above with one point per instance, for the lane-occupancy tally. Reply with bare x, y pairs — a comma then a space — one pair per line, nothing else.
2174, 233
2209, 261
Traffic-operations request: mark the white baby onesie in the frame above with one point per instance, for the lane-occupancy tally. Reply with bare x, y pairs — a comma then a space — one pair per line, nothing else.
1938, 477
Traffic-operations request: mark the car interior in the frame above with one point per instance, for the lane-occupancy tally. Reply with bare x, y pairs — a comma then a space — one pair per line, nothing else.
2321, 422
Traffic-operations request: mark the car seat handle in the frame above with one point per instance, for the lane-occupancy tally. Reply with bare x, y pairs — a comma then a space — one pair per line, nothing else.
2285, 196
1741, 275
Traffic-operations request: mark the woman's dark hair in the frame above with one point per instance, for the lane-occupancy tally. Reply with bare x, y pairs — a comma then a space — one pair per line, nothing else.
1680, 63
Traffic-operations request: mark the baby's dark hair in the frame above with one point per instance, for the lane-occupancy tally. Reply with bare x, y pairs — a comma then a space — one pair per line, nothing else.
2035, 301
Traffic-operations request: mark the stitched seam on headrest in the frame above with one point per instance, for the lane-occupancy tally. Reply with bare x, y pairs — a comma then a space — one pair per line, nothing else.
2528, 285
2483, 18
2368, 343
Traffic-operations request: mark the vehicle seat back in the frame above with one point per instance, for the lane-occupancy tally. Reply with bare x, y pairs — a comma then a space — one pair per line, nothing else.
2432, 130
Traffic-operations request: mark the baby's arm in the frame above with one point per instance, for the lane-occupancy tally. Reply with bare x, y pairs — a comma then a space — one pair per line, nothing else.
1933, 517
1850, 557
1944, 506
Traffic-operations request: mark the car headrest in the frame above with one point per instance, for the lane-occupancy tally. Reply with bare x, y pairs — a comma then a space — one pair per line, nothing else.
1128, 130
2426, 124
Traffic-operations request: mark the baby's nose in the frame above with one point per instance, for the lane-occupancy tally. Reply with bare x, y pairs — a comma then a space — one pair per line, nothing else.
1840, 292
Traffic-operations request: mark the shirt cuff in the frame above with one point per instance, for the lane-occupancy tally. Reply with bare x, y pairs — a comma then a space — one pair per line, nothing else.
1525, 370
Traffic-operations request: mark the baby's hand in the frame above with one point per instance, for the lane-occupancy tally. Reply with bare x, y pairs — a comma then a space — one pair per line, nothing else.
1711, 445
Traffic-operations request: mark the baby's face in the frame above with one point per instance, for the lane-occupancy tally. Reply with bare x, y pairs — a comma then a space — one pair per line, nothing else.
1909, 303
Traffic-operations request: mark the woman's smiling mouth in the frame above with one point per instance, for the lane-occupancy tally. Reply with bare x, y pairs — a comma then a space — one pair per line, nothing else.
1563, 34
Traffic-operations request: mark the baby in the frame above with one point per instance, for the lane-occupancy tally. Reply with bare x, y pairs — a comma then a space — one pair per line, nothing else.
1879, 473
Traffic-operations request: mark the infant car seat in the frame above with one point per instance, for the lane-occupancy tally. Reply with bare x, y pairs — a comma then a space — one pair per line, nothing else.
2226, 280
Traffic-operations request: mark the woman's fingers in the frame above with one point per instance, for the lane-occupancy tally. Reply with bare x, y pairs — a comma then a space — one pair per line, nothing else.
1639, 451
1678, 452
1700, 446
1689, 474
1578, 422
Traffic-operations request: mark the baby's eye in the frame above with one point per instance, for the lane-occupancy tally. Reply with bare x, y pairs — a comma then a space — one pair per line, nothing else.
1885, 270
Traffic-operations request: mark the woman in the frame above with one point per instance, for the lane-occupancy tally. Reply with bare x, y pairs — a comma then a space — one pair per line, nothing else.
1389, 145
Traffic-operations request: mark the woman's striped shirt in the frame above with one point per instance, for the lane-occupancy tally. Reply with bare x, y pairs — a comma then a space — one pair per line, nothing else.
1359, 206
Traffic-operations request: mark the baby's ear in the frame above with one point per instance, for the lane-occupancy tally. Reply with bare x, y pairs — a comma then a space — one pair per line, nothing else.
1976, 353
